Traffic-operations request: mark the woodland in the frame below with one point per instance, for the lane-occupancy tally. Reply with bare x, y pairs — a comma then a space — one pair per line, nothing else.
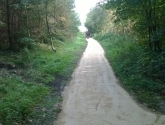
25, 22
132, 33
38, 39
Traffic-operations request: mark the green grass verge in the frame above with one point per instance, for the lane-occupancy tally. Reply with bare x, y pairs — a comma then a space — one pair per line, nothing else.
140, 71
31, 82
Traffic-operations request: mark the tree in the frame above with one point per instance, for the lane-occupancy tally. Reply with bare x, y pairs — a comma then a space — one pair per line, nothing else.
148, 17
29, 21
95, 23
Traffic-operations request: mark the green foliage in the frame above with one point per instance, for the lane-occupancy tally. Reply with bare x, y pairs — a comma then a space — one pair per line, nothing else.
132, 35
2, 23
28, 94
140, 72
27, 41
95, 23
147, 17
18, 99
140, 18
34, 20
46, 112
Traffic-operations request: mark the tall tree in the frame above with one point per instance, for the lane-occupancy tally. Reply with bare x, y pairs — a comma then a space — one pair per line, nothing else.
148, 17
95, 23
36, 20
8, 24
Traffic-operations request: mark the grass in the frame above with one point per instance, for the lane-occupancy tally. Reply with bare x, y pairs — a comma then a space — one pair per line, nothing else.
31, 82
140, 71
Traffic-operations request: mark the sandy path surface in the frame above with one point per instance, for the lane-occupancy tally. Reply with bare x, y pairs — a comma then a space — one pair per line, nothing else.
95, 98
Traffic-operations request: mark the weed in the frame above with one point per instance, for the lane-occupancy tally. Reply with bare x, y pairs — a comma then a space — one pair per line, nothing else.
30, 91
18, 99
140, 71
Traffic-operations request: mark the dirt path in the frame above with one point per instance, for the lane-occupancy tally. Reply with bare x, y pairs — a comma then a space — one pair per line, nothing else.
95, 98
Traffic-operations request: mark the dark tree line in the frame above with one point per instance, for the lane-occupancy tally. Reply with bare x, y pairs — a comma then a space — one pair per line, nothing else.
25, 22
144, 18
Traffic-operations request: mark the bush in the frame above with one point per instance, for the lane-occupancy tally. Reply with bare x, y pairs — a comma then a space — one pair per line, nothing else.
18, 99
140, 71
30, 90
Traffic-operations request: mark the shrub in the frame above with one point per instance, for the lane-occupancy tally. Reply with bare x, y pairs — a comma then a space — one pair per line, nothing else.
18, 99
140, 71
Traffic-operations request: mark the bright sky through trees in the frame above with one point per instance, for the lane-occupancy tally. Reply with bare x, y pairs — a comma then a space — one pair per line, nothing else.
83, 7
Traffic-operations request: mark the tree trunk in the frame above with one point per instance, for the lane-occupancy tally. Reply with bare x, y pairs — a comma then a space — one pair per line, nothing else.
48, 28
154, 42
27, 23
8, 25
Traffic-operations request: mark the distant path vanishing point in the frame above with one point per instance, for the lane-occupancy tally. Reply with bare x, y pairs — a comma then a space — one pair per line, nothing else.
94, 96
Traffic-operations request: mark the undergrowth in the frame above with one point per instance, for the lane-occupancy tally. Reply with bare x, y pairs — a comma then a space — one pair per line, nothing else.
140, 71
31, 82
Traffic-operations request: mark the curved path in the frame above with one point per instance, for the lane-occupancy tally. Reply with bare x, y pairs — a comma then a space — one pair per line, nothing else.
95, 98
